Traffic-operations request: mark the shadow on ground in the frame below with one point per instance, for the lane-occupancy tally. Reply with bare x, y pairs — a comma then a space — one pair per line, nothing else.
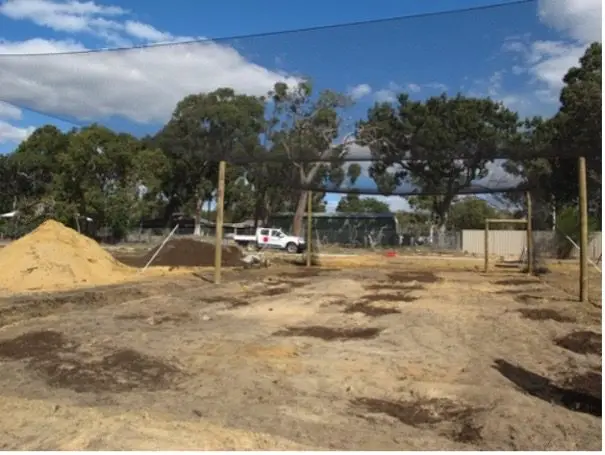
582, 342
422, 413
409, 277
516, 282
584, 394
330, 333
545, 314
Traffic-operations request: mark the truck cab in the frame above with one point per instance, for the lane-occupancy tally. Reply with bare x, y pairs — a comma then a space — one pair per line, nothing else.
271, 238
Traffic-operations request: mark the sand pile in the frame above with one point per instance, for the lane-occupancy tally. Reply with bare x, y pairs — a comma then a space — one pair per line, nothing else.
187, 252
55, 257
35, 424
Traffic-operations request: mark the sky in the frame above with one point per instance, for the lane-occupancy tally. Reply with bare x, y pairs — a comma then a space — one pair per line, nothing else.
516, 54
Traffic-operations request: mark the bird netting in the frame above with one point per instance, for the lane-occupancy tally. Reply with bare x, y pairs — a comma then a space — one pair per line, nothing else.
441, 106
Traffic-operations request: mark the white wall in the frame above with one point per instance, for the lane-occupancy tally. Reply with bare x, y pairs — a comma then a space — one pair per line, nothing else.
512, 243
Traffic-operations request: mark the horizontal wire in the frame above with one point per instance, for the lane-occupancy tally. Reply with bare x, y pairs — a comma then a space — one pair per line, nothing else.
278, 33
411, 192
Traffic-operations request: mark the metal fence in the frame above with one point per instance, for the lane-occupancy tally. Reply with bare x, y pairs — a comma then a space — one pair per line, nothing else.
506, 243
512, 243
352, 237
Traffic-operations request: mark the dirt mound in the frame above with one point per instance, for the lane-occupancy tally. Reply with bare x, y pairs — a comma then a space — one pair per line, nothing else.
54, 257
583, 342
188, 253
95, 428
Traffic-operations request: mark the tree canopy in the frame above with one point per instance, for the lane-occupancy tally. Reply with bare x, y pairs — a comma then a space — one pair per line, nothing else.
442, 146
575, 130
352, 203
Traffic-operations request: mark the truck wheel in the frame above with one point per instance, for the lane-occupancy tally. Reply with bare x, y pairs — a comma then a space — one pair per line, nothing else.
291, 247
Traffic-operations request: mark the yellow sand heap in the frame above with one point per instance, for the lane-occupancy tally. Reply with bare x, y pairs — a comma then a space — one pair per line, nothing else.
55, 257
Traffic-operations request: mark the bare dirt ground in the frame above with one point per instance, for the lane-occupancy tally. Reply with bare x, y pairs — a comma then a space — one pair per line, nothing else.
567, 278
400, 358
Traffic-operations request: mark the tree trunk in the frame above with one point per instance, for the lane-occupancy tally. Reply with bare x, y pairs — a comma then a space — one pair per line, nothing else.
299, 214
199, 205
169, 209
441, 243
258, 208
302, 198
441, 224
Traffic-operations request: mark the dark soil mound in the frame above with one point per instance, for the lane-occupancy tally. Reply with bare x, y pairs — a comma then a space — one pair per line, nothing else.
187, 253
583, 342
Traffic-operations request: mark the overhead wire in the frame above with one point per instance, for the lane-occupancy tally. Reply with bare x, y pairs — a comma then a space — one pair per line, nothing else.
277, 33
476, 189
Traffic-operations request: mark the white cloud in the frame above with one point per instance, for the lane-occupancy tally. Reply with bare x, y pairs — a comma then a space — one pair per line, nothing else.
436, 86
360, 91
72, 16
146, 32
493, 87
547, 61
8, 132
396, 203
10, 112
579, 19
142, 85
390, 92
497, 177
13, 134
76, 17
385, 96
517, 70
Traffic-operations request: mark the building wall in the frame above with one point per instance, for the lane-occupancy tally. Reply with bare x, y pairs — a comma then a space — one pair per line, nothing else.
512, 243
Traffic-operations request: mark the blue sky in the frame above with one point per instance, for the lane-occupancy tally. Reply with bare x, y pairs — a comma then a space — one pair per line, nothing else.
516, 54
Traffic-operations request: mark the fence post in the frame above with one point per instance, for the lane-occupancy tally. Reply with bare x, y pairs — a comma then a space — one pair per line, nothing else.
530, 236
486, 246
218, 242
583, 200
309, 226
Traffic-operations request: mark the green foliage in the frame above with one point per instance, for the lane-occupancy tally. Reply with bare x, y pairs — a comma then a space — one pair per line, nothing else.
441, 145
422, 142
471, 213
352, 203
203, 129
568, 225
88, 173
574, 130
464, 212
413, 222
303, 128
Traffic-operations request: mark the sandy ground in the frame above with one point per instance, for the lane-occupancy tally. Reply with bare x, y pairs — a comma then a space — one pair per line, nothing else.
402, 358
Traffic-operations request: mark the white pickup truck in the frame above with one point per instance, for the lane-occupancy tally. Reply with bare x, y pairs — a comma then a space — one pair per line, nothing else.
270, 238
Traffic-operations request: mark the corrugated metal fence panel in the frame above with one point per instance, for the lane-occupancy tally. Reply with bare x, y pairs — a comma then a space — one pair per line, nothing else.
502, 243
512, 243
594, 246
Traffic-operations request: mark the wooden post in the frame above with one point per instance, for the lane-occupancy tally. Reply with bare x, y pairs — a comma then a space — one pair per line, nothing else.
530, 237
309, 226
220, 202
583, 229
486, 246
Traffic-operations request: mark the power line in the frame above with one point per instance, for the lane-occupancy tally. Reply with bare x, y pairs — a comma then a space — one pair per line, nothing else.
281, 33
46, 114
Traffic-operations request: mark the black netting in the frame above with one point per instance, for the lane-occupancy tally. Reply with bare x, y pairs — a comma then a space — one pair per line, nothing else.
438, 109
